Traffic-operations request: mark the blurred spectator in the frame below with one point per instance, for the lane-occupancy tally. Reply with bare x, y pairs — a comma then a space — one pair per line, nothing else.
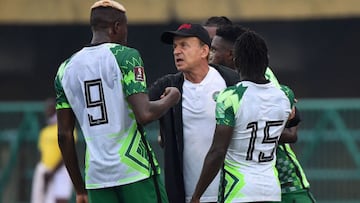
51, 182
213, 22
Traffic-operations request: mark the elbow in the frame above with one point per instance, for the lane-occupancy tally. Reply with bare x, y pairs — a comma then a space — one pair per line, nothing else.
294, 139
218, 154
287, 140
63, 137
289, 135
144, 119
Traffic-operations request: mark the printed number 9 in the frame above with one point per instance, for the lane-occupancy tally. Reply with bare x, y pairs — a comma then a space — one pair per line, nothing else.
94, 95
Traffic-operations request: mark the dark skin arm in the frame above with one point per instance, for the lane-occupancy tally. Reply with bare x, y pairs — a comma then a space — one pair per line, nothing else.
213, 160
289, 135
66, 125
216, 155
146, 111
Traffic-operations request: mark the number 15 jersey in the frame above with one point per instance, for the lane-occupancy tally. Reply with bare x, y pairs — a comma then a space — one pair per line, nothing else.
258, 113
94, 83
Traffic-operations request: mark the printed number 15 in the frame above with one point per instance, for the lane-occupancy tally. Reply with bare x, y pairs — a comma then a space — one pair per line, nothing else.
266, 140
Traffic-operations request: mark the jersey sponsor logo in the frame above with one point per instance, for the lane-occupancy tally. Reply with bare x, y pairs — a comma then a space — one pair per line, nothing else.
139, 74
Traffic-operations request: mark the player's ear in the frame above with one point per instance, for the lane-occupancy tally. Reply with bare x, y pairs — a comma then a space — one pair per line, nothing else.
117, 27
205, 51
231, 54
111, 30
114, 28
236, 61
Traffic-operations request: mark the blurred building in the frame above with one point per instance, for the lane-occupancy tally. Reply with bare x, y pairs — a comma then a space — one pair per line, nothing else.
312, 43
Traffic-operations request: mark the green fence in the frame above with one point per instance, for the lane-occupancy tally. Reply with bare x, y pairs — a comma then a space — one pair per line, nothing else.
327, 147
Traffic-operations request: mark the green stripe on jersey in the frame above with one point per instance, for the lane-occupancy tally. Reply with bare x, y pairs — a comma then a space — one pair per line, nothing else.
128, 59
234, 182
61, 101
227, 104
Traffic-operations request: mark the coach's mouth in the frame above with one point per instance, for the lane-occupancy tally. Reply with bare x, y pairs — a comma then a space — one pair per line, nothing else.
179, 60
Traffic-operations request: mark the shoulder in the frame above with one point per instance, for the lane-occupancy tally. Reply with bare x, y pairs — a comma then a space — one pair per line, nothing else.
269, 74
170, 79
222, 69
118, 49
62, 68
126, 57
228, 92
230, 76
289, 93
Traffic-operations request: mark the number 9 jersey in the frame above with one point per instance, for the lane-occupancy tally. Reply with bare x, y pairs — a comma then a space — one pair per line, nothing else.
94, 83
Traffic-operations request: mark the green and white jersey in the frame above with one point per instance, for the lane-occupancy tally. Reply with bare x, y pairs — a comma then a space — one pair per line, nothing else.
291, 175
94, 83
269, 74
258, 113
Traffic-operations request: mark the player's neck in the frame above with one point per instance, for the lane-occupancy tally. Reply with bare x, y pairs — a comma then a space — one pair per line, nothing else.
100, 37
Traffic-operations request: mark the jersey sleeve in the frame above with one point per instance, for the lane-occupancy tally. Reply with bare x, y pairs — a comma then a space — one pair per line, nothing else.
61, 100
132, 68
289, 93
269, 75
225, 107
228, 103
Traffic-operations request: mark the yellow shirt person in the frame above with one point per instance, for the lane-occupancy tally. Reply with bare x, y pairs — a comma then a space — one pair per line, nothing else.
49, 148
51, 182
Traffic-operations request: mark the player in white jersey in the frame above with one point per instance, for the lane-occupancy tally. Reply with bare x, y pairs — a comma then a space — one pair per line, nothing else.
103, 88
250, 118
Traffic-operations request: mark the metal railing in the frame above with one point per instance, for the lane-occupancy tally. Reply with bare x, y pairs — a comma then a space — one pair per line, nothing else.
23, 121
327, 147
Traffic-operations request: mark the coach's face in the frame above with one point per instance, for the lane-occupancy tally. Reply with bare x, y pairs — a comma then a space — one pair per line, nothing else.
188, 53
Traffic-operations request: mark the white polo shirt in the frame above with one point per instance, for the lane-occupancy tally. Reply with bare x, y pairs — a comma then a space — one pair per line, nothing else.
199, 122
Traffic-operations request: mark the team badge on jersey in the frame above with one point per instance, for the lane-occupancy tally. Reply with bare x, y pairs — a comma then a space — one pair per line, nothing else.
215, 95
139, 74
